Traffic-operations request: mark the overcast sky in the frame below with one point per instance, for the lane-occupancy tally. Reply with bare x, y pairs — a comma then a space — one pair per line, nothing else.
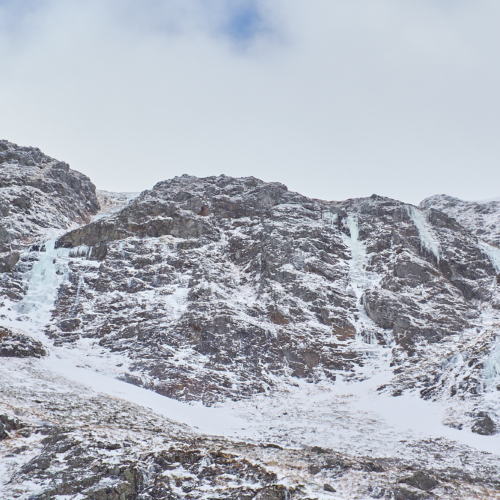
336, 99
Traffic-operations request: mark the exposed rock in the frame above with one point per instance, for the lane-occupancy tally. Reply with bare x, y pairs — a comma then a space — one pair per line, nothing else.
220, 288
8, 260
405, 494
18, 345
329, 488
422, 481
480, 217
484, 425
38, 193
9, 424
265, 281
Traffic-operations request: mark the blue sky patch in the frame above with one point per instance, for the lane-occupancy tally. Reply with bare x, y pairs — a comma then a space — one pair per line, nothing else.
244, 21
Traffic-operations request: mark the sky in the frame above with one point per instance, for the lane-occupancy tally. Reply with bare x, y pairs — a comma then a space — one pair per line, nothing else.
335, 99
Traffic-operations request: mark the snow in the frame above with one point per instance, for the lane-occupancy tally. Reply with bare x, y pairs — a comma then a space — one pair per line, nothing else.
349, 415
207, 419
112, 203
427, 238
352, 416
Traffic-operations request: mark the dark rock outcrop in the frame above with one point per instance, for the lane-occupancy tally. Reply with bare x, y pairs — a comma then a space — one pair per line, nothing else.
17, 345
484, 425
480, 217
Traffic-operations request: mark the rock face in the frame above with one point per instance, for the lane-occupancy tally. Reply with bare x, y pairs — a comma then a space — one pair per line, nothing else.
38, 193
223, 290
479, 217
243, 280
40, 197
17, 345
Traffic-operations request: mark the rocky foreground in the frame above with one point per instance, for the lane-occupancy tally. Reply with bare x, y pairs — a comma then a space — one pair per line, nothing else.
286, 311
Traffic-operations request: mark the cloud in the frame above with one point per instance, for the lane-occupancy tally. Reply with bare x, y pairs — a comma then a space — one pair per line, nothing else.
335, 99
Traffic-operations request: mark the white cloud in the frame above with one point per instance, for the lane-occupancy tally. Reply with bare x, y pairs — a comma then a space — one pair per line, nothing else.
335, 99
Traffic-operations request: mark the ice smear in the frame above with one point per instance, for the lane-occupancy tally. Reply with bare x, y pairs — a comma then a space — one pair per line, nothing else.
361, 279
427, 238
492, 252
330, 218
491, 370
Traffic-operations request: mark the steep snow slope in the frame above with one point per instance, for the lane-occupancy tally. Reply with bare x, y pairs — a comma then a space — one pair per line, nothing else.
67, 439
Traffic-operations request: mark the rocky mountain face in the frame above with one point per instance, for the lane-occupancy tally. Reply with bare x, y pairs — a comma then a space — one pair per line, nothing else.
481, 218
39, 196
244, 280
226, 291
38, 193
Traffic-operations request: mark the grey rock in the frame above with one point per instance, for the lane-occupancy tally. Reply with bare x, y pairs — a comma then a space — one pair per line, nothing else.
292, 255
421, 480
405, 494
38, 192
484, 425
17, 345
8, 260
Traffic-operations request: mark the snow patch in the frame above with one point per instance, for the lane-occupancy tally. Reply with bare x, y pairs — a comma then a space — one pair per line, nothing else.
216, 421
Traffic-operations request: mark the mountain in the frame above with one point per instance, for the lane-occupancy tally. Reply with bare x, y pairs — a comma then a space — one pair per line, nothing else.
289, 346
479, 217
